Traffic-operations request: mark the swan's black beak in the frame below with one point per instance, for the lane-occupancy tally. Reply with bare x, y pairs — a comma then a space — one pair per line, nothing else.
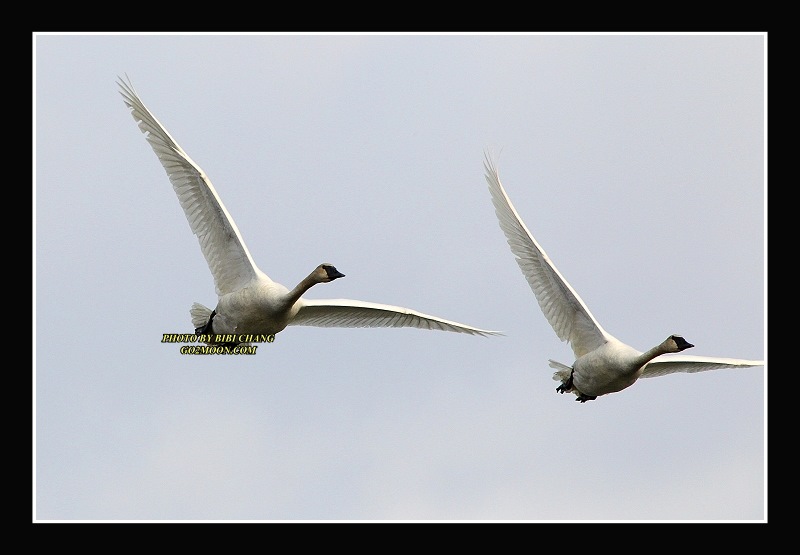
682, 343
333, 273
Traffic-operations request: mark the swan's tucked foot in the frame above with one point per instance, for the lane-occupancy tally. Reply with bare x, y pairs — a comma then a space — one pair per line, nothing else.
207, 327
583, 398
565, 385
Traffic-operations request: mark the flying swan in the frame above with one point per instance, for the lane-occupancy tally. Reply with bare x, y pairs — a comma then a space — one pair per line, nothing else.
603, 364
249, 302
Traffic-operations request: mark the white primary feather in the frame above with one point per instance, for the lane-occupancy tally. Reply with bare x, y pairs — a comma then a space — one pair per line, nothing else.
220, 241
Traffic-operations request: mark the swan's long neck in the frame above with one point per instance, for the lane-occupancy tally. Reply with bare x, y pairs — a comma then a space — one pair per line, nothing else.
647, 356
308, 282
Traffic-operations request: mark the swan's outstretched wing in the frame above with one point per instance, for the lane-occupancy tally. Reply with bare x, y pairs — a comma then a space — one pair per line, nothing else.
222, 245
669, 364
559, 302
346, 313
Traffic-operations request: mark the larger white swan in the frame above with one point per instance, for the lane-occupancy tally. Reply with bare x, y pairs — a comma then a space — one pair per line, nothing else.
249, 302
603, 364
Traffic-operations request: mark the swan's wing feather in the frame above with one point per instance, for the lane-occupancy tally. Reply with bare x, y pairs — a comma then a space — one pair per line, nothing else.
669, 364
561, 305
220, 241
347, 313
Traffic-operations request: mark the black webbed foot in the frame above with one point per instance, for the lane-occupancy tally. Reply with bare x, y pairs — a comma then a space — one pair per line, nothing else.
567, 385
583, 398
207, 327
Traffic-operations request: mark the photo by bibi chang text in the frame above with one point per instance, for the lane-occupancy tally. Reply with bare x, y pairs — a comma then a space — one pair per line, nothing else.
221, 344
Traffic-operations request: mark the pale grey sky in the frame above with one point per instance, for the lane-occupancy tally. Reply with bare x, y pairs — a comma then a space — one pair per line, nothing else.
637, 161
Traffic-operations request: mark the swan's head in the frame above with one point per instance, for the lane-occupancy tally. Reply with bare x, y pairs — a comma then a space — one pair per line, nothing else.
676, 344
326, 273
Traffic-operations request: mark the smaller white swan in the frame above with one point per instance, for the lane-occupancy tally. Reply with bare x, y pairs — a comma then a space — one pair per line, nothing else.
249, 302
603, 364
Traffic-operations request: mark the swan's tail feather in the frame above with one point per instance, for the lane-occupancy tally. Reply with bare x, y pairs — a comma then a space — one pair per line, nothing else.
200, 315
562, 371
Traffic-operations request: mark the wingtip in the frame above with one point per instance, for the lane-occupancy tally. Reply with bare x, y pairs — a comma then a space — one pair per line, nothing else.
489, 333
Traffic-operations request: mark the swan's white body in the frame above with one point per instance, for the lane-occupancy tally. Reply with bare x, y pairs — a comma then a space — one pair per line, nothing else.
249, 302
603, 364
